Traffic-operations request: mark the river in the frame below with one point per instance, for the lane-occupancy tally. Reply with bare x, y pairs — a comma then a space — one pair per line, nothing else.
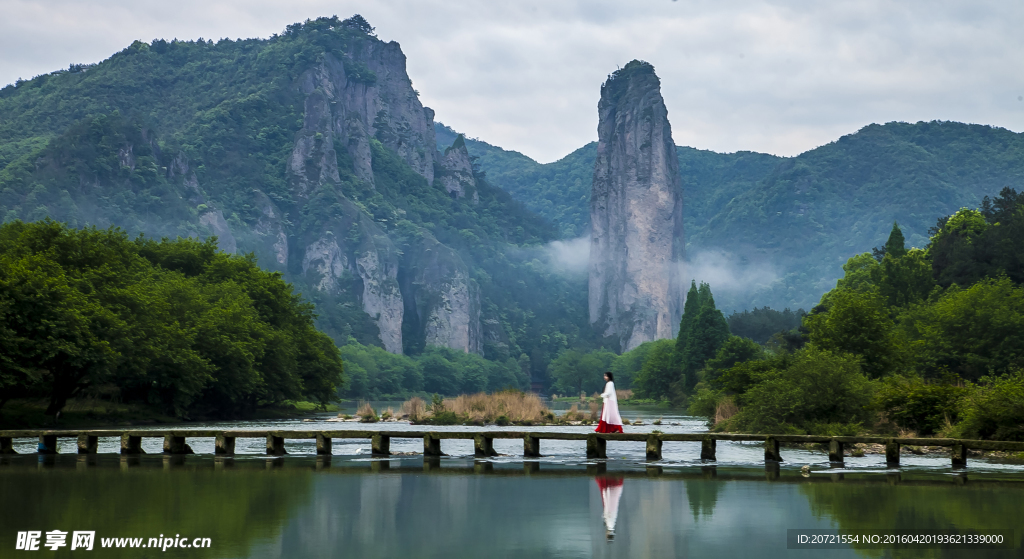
561, 505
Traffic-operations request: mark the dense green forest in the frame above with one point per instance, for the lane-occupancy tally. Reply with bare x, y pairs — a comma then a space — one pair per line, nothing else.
794, 220
926, 340
175, 325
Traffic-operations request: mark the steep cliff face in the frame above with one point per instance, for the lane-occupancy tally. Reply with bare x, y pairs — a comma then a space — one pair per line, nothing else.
349, 102
210, 217
458, 179
350, 247
365, 95
442, 301
636, 251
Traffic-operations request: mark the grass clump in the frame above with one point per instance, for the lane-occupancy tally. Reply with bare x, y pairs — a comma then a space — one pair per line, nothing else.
366, 413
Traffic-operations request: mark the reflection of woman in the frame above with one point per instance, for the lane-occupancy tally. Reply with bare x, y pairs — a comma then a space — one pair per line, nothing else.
611, 490
610, 420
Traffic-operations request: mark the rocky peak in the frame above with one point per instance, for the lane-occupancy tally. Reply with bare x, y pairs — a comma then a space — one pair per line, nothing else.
458, 179
362, 95
636, 251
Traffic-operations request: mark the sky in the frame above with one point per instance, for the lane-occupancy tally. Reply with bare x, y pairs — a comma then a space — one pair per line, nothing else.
774, 77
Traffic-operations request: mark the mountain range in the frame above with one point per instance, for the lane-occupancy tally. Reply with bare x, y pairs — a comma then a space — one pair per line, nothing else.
311, 151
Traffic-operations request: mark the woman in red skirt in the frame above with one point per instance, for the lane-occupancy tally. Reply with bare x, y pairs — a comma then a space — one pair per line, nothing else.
610, 420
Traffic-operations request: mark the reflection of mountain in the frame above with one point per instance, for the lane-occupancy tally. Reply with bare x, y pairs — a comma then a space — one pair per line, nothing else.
702, 495
234, 508
292, 512
978, 508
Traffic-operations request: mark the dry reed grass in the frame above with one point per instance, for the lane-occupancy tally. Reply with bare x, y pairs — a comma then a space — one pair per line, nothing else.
574, 414
595, 411
725, 409
518, 407
415, 409
624, 394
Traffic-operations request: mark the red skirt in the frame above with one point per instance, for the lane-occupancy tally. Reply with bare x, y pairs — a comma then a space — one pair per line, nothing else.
603, 427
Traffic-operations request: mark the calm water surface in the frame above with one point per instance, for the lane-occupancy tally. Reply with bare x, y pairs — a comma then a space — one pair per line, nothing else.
561, 505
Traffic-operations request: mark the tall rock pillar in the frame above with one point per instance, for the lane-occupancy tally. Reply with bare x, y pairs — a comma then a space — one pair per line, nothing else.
636, 213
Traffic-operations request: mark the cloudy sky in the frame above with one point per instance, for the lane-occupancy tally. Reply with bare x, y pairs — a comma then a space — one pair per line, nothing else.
776, 77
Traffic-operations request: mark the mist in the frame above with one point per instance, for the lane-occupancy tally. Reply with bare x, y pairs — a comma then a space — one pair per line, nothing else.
571, 257
734, 279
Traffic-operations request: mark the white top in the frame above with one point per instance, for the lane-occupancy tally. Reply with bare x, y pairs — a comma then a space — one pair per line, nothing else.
610, 413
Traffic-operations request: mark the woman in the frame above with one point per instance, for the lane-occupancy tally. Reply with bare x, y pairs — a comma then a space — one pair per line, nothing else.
610, 420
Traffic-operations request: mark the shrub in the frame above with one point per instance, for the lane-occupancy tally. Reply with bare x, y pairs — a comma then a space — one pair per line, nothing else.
818, 387
502, 420
995, 408
917, 405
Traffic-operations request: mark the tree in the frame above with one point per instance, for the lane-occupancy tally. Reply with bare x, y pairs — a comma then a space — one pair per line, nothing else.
895, 245
857, 323
735, 350
575, 372
972, 332
706, 334
819, 391
659, 371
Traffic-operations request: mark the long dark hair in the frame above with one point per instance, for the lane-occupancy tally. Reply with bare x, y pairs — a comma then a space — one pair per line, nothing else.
610, 376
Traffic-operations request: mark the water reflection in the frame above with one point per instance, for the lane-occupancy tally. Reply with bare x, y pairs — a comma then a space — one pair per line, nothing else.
611, 492
321, 506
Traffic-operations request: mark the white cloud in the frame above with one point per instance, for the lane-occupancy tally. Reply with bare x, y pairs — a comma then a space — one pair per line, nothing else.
731, 277
570, 257
777, 77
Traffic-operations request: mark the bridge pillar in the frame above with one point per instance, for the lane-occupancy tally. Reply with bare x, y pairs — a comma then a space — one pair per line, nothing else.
324, 445
225, 445
596, 446
131, 444
771, 470
771, 450
959, 455
653, 447
87, 444
835, 451
47, 444
531, 446
892, 452
483, 447
275, 445
431, 445
176, 445
707, 449
380, 445
7, 445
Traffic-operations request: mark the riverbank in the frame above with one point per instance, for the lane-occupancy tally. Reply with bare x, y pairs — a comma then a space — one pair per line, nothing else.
87, 413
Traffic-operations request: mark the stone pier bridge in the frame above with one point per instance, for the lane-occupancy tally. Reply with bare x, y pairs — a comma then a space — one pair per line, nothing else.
175, 441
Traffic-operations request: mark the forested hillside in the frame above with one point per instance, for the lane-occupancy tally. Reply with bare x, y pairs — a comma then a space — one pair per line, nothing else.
311, 151
795, 217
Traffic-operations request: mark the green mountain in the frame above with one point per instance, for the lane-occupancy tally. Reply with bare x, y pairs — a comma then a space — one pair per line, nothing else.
776, 230
312, 151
